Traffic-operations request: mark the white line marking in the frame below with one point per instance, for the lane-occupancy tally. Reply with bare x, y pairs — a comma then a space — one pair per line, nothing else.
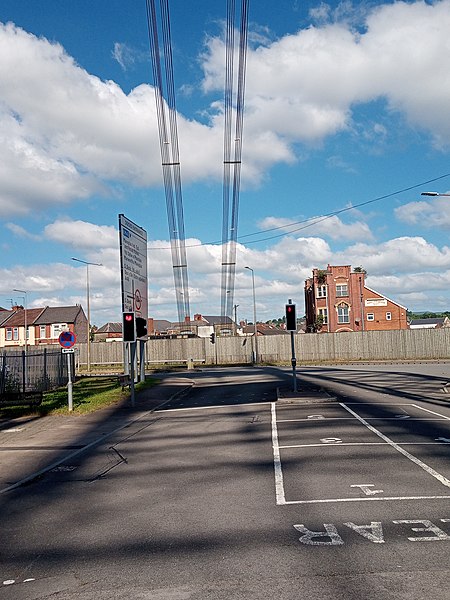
406, 454
432, 412
172, 410
362, 444
366, 499
403, 417
279, 487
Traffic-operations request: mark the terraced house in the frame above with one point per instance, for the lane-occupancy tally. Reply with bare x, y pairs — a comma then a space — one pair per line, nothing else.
42, 325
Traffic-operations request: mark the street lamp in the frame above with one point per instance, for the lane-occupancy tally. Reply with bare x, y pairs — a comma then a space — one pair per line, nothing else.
88, 308
24, 314
433, 194
255, 335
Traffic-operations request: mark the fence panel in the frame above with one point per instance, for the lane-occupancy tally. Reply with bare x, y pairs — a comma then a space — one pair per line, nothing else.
408, 344
39, 370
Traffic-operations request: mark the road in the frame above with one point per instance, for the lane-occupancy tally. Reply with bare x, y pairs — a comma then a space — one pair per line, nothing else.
229, 493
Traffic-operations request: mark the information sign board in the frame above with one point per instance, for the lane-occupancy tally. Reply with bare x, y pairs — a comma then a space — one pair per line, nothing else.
133, 264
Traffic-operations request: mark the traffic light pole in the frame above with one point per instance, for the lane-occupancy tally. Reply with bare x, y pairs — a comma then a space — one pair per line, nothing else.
293, 361
132, 361
291, 325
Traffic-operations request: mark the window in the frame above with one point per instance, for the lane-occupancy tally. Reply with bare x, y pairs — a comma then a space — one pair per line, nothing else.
28, 333
341, 290
321, 291
15, 333
388, 316
343, 313
42, 331
9, 334
58, 328
323, 312
370, 317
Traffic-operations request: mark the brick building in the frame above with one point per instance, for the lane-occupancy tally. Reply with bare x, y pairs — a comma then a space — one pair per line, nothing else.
337, 299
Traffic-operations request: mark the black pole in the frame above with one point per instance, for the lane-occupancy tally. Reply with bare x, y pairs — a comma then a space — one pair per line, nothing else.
293, 361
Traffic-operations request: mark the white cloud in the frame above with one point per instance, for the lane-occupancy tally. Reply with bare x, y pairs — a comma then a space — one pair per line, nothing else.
331, 227
431, 214
21, 232
80, 234
67, 135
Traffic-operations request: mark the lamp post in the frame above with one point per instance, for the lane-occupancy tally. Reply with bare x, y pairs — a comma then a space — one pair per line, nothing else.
25, 366
24, 314
433, 194
255, 335
88, 308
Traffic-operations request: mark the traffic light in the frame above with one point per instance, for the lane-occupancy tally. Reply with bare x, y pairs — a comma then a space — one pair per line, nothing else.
212, 337
129, 327
291, 319
141, 327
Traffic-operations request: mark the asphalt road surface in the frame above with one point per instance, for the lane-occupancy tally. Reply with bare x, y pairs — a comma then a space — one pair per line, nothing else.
230, 493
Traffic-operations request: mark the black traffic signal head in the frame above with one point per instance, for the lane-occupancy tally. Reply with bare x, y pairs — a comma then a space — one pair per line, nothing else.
129, 327
212, 337
291, 318
141, 327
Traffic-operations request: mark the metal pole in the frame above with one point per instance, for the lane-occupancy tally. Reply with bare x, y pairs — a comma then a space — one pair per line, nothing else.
88, 308
255, 335
69, 382
88, 320
293, 361
132, 359
25, 374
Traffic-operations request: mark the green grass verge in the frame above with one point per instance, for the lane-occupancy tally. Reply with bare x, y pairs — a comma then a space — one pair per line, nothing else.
88, 393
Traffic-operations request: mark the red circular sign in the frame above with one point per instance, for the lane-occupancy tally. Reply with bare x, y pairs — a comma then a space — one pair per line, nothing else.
67, 339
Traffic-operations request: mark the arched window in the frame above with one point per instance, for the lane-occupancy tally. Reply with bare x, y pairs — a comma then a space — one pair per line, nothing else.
343, 313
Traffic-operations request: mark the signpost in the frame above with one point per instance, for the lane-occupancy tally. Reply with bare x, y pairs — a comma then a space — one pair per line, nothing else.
67, 340
133, 266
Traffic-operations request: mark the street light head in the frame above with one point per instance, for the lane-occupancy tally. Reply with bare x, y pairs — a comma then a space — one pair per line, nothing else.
430, 194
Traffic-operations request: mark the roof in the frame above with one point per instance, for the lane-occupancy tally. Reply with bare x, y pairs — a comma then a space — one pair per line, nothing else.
431, 321
383, 296
110, 328
17, 317
58, 314
4, 315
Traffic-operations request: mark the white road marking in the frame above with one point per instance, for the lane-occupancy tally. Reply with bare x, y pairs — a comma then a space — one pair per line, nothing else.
365, 499
406, 454
362, 444
279, 486
431, 412
331, 441
365, 487
400, 417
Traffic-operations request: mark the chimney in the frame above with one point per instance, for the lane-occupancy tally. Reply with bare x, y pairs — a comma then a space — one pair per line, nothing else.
187, 319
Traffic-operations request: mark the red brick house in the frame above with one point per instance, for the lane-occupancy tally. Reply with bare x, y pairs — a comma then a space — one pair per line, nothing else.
43, 325
337, 299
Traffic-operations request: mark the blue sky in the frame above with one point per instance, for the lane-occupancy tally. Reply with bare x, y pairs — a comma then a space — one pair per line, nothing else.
345, 103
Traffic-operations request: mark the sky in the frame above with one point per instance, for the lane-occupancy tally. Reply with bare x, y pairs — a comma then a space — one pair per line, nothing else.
346, 124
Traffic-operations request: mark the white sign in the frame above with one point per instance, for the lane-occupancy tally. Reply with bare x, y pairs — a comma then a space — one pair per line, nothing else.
376, 302
133, 264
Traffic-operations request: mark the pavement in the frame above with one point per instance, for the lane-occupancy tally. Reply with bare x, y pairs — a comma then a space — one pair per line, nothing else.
30, 446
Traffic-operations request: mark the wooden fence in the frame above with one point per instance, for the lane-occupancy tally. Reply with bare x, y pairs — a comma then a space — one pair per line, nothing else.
414, 344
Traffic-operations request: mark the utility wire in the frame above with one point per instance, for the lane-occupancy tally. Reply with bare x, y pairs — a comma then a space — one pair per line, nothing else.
314, 220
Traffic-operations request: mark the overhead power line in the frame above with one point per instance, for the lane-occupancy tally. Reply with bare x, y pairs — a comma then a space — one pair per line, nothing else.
169, 147
311, 221
232, 150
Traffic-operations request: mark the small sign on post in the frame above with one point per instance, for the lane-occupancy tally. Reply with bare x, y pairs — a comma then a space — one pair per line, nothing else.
66, 340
